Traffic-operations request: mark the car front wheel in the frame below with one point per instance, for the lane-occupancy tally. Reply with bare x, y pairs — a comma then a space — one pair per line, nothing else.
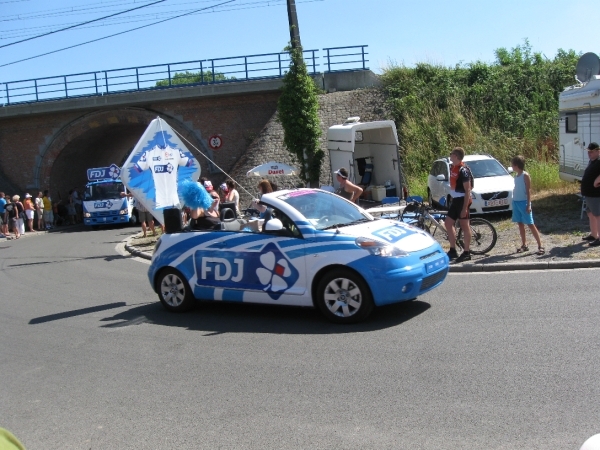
344, 297
174, 291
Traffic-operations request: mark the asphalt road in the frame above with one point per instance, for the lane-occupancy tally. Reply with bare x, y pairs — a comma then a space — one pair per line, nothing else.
90, 360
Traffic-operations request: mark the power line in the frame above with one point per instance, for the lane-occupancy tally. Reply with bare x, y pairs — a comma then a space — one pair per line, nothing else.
83, 23
116, 34
73, 10
22, 32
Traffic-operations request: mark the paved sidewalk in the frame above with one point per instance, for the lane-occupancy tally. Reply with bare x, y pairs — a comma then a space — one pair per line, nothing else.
142, 247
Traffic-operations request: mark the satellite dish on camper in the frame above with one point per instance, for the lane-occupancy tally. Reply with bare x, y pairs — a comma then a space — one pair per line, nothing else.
587, 66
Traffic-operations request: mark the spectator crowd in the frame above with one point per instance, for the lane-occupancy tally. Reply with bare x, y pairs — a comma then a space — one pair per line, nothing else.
27, 214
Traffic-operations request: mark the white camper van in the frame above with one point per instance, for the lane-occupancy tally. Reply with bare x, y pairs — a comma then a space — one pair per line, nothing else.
369, 151
579, 123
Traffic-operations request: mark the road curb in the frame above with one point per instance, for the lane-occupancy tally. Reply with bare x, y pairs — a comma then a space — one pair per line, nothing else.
538, 265
135, 252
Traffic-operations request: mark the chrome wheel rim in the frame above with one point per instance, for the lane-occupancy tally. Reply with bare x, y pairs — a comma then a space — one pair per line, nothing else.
342, 297
172, 290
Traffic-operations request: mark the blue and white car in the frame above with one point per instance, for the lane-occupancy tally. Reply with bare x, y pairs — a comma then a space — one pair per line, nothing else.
313, 249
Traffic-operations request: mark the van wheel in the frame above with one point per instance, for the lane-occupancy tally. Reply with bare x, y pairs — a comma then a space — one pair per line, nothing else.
344, 297
174, 291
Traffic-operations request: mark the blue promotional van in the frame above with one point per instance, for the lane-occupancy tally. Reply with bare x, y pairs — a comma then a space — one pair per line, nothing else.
106, 200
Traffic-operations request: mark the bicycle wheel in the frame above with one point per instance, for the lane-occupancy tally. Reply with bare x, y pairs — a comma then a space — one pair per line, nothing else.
483, 236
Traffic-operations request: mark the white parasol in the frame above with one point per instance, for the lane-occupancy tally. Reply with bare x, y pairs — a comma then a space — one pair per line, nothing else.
272, 168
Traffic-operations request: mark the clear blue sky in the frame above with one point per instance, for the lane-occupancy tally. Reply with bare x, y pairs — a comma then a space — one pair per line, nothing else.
399, 31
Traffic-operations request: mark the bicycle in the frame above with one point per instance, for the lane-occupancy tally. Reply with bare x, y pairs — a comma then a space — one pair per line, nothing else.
420, 215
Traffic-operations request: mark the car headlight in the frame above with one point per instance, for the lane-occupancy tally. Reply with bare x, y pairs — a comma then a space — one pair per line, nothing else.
123, 211
87, 214
379, 248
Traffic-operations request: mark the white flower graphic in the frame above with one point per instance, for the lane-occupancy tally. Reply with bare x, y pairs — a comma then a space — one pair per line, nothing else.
271, 275
114, 172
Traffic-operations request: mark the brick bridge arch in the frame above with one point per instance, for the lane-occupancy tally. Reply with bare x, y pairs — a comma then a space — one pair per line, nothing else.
97, 139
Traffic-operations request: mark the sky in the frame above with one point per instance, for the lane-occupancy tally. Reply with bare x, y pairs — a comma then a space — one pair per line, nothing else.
397, 32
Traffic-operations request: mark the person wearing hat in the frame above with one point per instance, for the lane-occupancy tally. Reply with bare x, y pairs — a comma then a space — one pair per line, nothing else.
590, 189
347, 189
223, 191
29, 210
214, 211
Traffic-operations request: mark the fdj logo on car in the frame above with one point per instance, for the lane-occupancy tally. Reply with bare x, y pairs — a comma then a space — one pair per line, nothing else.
99, 205
391, 234
267, 270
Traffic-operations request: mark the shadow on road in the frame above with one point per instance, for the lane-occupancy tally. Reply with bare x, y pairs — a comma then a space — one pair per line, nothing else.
214, 318
75, 312
69, 259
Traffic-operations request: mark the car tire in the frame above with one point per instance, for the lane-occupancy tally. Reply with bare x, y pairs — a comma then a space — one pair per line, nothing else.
429, 197
343, 297
174, 291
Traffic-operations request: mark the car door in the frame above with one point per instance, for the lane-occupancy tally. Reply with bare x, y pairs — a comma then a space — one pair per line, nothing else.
258, 267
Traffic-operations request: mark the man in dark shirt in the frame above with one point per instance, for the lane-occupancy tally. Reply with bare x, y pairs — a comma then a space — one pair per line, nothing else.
461, 183
590, 189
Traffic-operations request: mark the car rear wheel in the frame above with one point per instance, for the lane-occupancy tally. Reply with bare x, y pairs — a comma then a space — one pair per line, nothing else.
174, 291
344, 297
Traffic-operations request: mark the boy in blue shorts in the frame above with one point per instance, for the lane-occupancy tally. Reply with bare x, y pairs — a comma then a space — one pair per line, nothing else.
521, 213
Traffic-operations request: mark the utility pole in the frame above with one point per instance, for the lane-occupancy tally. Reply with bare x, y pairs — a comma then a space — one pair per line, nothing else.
293, 21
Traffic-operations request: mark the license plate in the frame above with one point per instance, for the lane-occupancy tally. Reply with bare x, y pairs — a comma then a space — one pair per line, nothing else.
498, 202
434, 265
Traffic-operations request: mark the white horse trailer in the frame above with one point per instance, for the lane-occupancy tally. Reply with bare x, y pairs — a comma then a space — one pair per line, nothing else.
369, 151
579, 123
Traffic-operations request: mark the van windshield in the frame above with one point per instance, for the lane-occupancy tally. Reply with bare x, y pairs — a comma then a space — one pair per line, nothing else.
104, 191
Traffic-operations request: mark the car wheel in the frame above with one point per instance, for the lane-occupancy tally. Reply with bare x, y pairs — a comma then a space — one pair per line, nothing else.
174, 291
344, 297
429, 197
448, 202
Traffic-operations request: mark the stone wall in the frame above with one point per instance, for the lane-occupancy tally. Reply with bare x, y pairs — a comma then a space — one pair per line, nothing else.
334, 108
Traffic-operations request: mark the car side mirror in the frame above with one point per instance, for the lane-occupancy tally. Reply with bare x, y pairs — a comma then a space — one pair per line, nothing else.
441, 177
274, 225
510, 169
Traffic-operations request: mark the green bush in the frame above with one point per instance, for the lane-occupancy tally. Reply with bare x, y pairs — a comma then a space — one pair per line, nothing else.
505, 108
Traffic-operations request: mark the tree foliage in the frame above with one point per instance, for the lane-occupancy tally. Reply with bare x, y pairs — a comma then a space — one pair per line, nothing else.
188, 77
298, 114
507, 107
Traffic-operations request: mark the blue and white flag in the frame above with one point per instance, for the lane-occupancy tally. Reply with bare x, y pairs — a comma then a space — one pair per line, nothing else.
157, 167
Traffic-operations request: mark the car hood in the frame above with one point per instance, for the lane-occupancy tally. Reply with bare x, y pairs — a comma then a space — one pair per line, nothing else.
399, 234
494, 184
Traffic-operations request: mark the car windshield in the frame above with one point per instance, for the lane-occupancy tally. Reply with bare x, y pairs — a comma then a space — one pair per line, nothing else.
486, 168
104, 191
324, 210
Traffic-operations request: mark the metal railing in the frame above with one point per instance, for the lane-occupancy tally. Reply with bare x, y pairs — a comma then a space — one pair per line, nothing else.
165, 76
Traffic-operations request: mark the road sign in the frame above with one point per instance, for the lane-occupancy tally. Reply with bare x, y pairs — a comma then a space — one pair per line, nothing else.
215, 142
